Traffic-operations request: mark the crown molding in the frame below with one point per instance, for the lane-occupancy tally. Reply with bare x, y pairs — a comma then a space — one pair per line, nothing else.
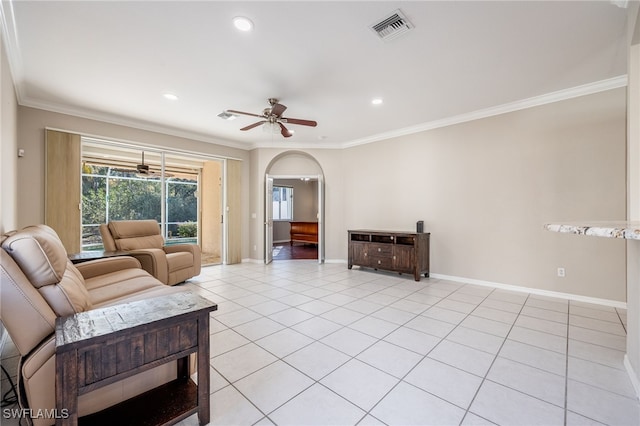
135, 124
560, 95
10, 39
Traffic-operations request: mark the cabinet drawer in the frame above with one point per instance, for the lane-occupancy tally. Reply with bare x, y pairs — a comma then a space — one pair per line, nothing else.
380, 249
381, 262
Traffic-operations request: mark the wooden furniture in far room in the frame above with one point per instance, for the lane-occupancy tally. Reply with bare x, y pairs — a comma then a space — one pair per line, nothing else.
304, 232
403, 252
101, 346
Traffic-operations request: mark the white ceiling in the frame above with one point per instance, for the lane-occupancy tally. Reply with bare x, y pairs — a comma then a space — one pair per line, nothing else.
114, 61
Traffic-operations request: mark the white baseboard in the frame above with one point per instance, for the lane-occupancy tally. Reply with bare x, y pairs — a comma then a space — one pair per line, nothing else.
536, 291
635, 381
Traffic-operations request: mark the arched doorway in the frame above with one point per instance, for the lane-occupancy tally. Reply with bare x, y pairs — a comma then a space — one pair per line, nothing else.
289, 166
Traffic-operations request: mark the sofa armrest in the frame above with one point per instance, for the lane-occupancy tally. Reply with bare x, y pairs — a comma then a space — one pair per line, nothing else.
176, 248
191, 248
154, 261
93, 268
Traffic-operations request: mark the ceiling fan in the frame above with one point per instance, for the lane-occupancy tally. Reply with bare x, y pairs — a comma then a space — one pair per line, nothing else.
273, 116
143, 171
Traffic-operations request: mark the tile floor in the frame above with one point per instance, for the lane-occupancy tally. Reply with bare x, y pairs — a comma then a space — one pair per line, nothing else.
297, 343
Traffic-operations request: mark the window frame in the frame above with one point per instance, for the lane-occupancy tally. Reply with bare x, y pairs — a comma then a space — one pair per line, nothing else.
289, 190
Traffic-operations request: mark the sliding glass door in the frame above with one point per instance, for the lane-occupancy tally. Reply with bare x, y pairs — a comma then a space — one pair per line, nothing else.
122, 182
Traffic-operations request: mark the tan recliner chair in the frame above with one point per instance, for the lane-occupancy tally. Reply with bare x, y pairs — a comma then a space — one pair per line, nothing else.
141, 238
37, 284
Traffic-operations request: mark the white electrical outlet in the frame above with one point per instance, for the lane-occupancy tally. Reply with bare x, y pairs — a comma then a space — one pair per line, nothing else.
561, 272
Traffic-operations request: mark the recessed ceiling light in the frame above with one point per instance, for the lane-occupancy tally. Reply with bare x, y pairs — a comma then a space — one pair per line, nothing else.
376, 101
170, 96
242, 23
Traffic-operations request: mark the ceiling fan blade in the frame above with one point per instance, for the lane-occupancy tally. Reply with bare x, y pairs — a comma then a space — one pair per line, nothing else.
300, 122
251, 126
232, 111
284, 131
278, 109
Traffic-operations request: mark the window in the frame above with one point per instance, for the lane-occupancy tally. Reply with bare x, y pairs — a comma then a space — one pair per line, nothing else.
114, 194
282, 203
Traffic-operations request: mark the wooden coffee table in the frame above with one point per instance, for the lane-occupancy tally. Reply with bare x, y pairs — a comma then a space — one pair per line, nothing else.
103, 346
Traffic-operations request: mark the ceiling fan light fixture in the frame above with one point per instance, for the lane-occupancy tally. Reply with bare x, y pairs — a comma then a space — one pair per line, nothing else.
243, 23
269, 127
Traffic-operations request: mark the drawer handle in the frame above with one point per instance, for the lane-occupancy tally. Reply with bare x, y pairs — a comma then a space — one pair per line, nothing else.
365, 254
378, 262
379, 249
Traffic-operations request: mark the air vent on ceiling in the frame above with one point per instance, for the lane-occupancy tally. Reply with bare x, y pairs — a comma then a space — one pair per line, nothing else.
392, 26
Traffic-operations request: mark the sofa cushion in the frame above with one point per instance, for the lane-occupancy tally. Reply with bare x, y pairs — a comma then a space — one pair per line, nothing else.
43, 259
118, 285
138, 234
39, 253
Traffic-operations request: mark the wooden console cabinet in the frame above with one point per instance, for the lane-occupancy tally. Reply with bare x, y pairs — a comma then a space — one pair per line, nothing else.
402, 252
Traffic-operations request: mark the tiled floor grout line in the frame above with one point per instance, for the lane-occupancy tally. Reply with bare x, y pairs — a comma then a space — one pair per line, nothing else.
493, 362
266, 415
402, 379
367, 413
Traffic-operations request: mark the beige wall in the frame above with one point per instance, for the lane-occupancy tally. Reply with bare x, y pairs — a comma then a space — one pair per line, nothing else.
30, 174
8, 147
485, 188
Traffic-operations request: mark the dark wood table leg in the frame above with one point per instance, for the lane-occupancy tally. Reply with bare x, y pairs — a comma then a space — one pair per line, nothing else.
67, 389
204, 410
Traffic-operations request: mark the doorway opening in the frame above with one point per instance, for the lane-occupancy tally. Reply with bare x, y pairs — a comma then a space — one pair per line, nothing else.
298, 176
295, 217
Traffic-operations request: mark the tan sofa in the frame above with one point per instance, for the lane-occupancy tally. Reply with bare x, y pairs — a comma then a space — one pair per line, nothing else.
38, 284
170, 264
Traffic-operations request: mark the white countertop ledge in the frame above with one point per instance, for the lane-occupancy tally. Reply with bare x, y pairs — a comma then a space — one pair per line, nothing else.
624, 230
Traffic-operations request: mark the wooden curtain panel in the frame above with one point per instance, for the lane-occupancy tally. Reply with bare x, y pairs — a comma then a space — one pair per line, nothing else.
234, 211
62, 187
